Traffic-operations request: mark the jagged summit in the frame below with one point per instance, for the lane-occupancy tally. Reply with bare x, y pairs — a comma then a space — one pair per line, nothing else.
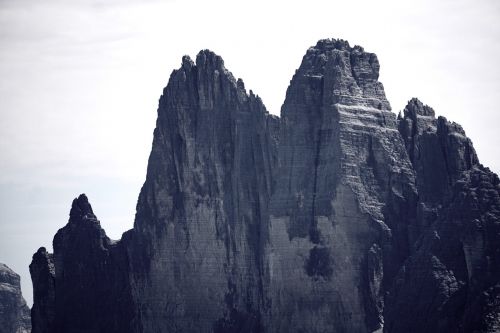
340, 74
329, 44
415, 106
207, 80
323, 220
81, 208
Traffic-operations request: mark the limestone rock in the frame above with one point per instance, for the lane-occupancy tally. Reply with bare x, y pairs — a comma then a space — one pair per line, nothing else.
336, 217
197, 236
344, 196
14, 313
452, 282
84, 285
439, 151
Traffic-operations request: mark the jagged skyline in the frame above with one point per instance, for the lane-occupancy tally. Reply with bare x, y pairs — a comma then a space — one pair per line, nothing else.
80, 84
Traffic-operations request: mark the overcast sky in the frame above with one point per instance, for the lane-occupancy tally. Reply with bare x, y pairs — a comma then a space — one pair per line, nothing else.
80, 82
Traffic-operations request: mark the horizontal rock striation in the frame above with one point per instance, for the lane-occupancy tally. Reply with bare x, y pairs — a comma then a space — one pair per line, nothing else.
344, 181
337, 217
14, 313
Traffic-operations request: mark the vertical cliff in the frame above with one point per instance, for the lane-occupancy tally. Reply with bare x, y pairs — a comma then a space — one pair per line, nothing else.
43, 312
196, 245
439, 151
451, 281
14, 313
336, 217
344, 196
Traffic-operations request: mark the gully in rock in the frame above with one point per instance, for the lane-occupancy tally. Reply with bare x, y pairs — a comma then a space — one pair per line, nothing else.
339, 216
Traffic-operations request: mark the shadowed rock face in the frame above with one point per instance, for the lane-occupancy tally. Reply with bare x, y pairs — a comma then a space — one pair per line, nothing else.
452, 282
14, 313
196, 243
440, 152
323, 220
84, 285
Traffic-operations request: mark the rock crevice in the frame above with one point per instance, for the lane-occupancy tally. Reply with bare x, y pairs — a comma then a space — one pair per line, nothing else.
323, 220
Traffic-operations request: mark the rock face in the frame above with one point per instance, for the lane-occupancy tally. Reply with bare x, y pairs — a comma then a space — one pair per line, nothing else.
439, 152
343, 185
336, 217
451, 282
88, 267
196, 244
14, 313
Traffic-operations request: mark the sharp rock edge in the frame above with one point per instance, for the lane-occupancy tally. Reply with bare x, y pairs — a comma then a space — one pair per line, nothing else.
339, 216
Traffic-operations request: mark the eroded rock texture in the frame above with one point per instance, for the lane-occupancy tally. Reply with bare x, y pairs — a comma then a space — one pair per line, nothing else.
14, 313
336, 217
440, 152
451, 283
196, 244
344, 183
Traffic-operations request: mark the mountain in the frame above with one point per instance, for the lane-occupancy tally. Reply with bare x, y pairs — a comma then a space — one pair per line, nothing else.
14, 313
339, 216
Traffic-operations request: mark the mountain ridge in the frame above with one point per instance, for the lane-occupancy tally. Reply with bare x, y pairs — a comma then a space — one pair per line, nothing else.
248, 222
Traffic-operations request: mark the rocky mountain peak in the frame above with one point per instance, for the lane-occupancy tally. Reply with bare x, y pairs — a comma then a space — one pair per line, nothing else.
14, 313
328, 44
318, 221
81, 209
209, 59
8, 276
416, 108
339, 74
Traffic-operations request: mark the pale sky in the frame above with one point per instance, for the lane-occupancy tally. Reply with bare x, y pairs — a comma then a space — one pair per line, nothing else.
80, 82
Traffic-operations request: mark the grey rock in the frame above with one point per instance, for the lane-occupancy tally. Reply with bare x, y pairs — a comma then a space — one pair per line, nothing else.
203, 205
439, 151
84, 286
14, 313
323, 220
452, 282
344, 196
43, 312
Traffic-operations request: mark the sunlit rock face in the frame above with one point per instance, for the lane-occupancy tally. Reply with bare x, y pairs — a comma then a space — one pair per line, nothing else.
14, 313
345, 191
337, 217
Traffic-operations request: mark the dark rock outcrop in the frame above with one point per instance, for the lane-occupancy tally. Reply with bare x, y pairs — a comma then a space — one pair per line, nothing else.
43, 312
440, 152
452, 282
336, 217
84, 285
14, 313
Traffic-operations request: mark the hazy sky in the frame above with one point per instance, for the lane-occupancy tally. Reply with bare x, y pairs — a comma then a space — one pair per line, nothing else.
80, 82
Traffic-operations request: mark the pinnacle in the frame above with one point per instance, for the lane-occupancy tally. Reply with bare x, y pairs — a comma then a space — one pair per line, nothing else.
416, 106
81, 208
